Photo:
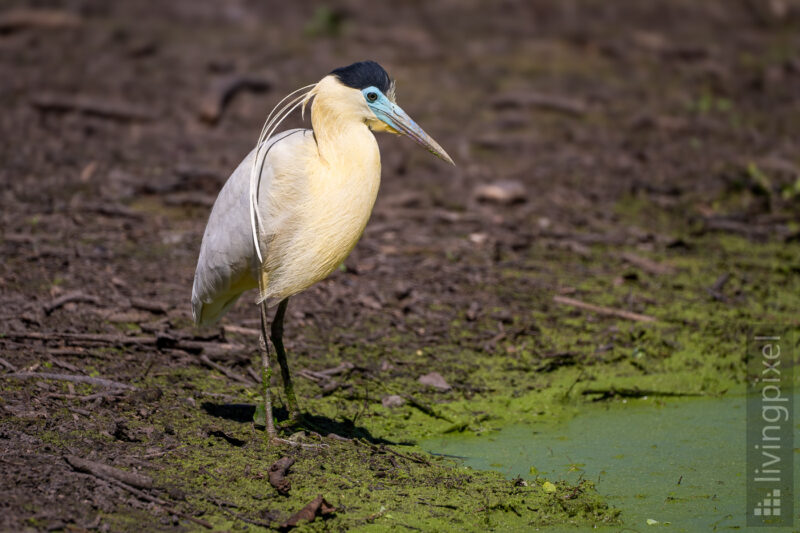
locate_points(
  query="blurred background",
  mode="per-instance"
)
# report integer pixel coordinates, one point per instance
(642, 156)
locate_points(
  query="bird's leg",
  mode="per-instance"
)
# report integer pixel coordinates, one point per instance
(266, 373)
(277, 341)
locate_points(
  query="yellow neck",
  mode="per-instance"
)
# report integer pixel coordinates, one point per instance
(344, 143)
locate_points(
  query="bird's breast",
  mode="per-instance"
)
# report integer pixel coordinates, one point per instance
(341, 209)
(327, 222)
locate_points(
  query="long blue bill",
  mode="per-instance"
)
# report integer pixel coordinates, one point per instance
(398, 120)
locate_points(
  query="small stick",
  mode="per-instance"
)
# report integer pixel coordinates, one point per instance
(635, 393)
(230, 328)
(716, 290)
(158, 501)
(87, 398)
(428, 410)
(419, 460)
(75, 296)
(253, 374)
(111, 210)
(309, 375)
(223, 91)
(17, 19)
(159, 308)
(188, 346)
(65, 365)
(621, 313)
(101, 382)
(323, 375)
(80, 352)
(231, 374)
(7, 365)
(102, 470)
(238, 516)
(343, 367)
(532, 99)
(91, 106)
(648, 265)
(81, 337)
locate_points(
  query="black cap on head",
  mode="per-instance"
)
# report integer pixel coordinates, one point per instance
(364, 74)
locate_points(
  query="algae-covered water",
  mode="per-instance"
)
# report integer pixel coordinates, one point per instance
(677, 462)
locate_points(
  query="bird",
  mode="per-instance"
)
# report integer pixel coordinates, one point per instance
(295, 207)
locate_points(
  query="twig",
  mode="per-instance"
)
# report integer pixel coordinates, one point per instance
(621, 313)
(310, 375)
(445, 506)
(102, 470)
(230, 328)
(160, 308)
(634, 393)
(217, 350)
(223, 91)
(648, 265)
(324, 375)
(231, 374)
(95, 338)
(111, 210)
(7, 365)
(141, 494)
(101, 382)
(549, 102)
(163, 452)
(295, 444)
(238, 516)
(420, 460)
(214, 349)
(253, 374)
(17, 19)
(75, 296)
(428, 410)
(87, 398)
(384, 449)
(716, 290)
(91, 106)
(342, 367)
(76, 351)
(329, 387)
(65, 365)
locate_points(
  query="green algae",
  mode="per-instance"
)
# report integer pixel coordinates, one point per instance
(687, 469)
(371, 488)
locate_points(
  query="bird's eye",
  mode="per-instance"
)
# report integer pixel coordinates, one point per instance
(372, 97)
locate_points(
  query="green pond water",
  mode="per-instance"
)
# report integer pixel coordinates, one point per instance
(680, 462)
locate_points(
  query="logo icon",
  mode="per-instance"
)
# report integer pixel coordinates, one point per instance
(770, 505)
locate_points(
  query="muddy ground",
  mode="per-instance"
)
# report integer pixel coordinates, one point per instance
(639, 156)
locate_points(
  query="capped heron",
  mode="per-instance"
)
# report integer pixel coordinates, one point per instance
(296, 206)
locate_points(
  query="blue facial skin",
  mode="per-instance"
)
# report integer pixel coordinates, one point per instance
(392, 114)
(383, 108)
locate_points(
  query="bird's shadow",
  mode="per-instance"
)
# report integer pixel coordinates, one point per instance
(243, 413)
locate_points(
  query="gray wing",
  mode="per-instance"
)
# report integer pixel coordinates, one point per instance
(227, 264)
